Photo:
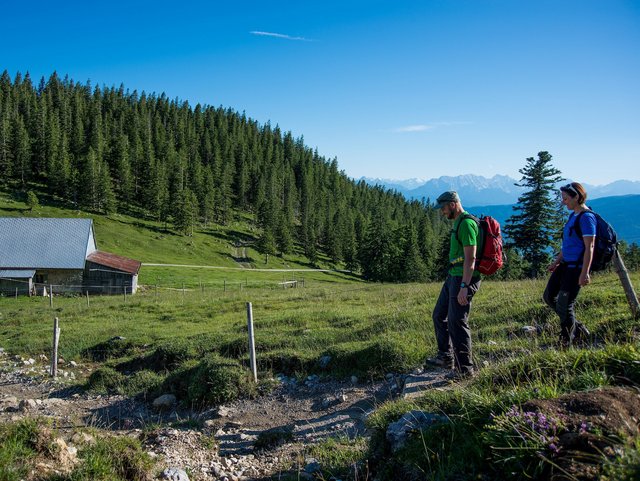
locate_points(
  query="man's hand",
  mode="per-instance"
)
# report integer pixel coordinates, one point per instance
(462, 296)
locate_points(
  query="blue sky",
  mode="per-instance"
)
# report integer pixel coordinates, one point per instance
(392, 89)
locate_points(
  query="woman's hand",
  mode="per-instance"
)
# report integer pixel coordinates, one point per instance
(584, 279)
(553, 266)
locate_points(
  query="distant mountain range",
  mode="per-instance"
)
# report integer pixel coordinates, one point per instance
(620, 211)
(479, 190)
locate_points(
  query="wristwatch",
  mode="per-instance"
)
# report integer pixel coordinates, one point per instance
(463, 285)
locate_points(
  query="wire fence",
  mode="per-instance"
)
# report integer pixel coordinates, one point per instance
(16, 287)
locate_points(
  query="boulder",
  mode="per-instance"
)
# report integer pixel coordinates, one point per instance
(166, 401)
(324, 361)
(399, 432)
(175, 474)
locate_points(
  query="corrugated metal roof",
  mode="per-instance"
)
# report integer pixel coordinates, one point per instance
(17, 273)
(45, 243)
(114, 261)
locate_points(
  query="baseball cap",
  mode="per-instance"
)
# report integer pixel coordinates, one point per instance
(446, 197)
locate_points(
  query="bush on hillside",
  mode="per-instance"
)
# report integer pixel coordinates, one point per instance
(213, 380)
(114, 348)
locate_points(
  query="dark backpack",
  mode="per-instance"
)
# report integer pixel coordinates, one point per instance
(605, 244)
(489, 256)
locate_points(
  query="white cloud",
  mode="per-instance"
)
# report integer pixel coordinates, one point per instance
(279, 35)
(413, 128)
(424, 127)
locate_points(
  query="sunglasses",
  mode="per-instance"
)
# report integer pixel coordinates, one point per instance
(570, 188)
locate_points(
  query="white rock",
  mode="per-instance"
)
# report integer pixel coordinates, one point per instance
(175, 474)
(27, 405)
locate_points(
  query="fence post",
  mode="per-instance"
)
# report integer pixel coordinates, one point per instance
(51, 296)
(54, 353)
(632, 298)
(252, 342)
(124, 288)
(87, 292)
(16, 293)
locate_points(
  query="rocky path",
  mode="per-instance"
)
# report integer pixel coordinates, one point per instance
(246, 439)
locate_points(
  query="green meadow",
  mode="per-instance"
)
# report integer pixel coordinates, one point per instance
(170, 338)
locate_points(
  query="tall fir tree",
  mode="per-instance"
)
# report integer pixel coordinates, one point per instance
(413, 267)
(185, 212)
(534, 227)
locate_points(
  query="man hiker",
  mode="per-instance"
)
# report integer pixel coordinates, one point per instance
(451, 313)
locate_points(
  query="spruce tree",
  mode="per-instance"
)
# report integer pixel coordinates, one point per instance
(533, 229)
(267, 243)
(413, 268)
(21, 152)
(185, 212)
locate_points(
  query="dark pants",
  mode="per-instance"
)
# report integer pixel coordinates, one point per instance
(560, 295)
(451, 322)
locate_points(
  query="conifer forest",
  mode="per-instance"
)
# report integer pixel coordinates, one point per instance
(108, 150)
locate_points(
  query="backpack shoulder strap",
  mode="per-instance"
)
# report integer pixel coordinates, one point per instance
(464, 217)
(576, 224)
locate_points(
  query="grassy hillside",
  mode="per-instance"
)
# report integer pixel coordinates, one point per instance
(174, 340)
(155, 243)
(179, 342)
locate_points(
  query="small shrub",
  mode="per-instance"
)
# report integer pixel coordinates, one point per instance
(106, 380)
(114, 348)
(217, 380)
(142, 382)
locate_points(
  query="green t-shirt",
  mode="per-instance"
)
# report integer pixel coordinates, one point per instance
(468, 236)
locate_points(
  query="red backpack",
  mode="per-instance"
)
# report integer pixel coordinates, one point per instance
(489, 256)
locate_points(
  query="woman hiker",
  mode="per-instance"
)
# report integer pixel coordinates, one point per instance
(570, 269)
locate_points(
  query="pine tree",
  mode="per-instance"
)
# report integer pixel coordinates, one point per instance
(267, 243)
(32, 201)
(377, 253)
(413, 267)
(21, 152)
(6, 152)
(185, 212)
(284, 239)
(106, 199)
(124, 176)
(88, 181)
(533, 229)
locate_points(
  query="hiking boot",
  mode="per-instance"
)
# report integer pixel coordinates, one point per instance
(456, 376)
(440, 360)
(581, 334)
